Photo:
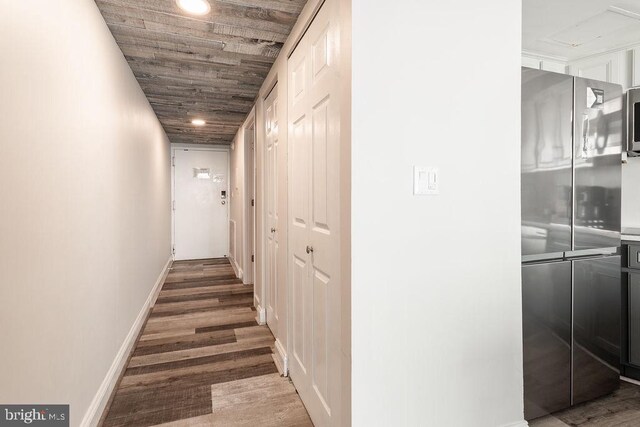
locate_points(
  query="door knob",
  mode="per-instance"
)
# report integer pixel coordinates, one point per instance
(309, 249)
(223, 202)
(273, 230)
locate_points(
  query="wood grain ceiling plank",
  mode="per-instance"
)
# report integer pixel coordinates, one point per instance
(200, 108)
(169, 61)
(205, 111)
(124, 20)
(190, 70)
(209, 67)
(280, 5)
(168, 42)
(130, 16)
(184, 129)
(212, 99)
(211, 119)
(148, 82)
(182, 115)
(187, 36)
(190, 140)
(185, 132)
(188, 113)
(225, 13)
(189, 131)
(219, 139)
(240, 74)
(182, 132)
(209, 139)
(147, 56)
(218, 103)
(195, 92)
(174, 43)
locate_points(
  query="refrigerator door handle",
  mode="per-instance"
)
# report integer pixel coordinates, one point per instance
(537, 258)
(591, 252)
(585, 134)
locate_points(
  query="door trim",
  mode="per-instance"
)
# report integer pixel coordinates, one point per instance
(249, 184)
(190, 147)
(307, 24)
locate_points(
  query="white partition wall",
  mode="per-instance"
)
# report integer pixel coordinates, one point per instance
(86, 199)
(436, 293)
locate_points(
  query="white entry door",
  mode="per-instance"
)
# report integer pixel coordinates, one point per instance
(314, 219)
(201, 225)
(271, 198)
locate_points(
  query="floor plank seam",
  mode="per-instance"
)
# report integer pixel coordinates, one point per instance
(202, 359)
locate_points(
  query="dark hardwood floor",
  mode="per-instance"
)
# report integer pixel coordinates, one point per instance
(202, 359)
(620, 409)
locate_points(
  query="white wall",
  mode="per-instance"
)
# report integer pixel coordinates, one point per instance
(436, 293)
(613, 67)
(541, 62)
(85, 212)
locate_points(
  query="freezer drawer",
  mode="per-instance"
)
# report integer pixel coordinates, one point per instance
(596, 327)
(634, 318)
(546, 311)
(633, 256)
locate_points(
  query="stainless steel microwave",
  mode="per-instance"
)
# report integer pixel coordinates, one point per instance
(633, 121)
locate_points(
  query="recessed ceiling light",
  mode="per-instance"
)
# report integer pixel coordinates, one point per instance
(195, 7)
(198, 122)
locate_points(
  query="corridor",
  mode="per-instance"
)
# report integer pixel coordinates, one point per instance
(199, 196)
(202, 359)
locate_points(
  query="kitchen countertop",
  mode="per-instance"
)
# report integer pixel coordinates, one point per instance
(631, 233)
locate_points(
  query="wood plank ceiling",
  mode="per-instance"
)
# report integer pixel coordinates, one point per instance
(209, 67)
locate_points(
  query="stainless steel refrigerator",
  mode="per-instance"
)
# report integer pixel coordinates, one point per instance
(572, 136)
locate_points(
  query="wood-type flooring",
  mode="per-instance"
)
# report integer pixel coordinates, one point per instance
(619, 409)
(203, 360)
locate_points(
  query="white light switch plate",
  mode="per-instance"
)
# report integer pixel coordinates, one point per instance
(426, 180)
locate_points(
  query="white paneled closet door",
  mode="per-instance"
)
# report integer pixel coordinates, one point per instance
(271, 199)
(314, 220)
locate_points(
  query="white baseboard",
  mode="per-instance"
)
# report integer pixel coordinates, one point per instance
(236, 267)
(261, 315)
(630, 380)
(282, 359)
(98, 404)
(153, 296)
(245, 280)
(522, 423)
